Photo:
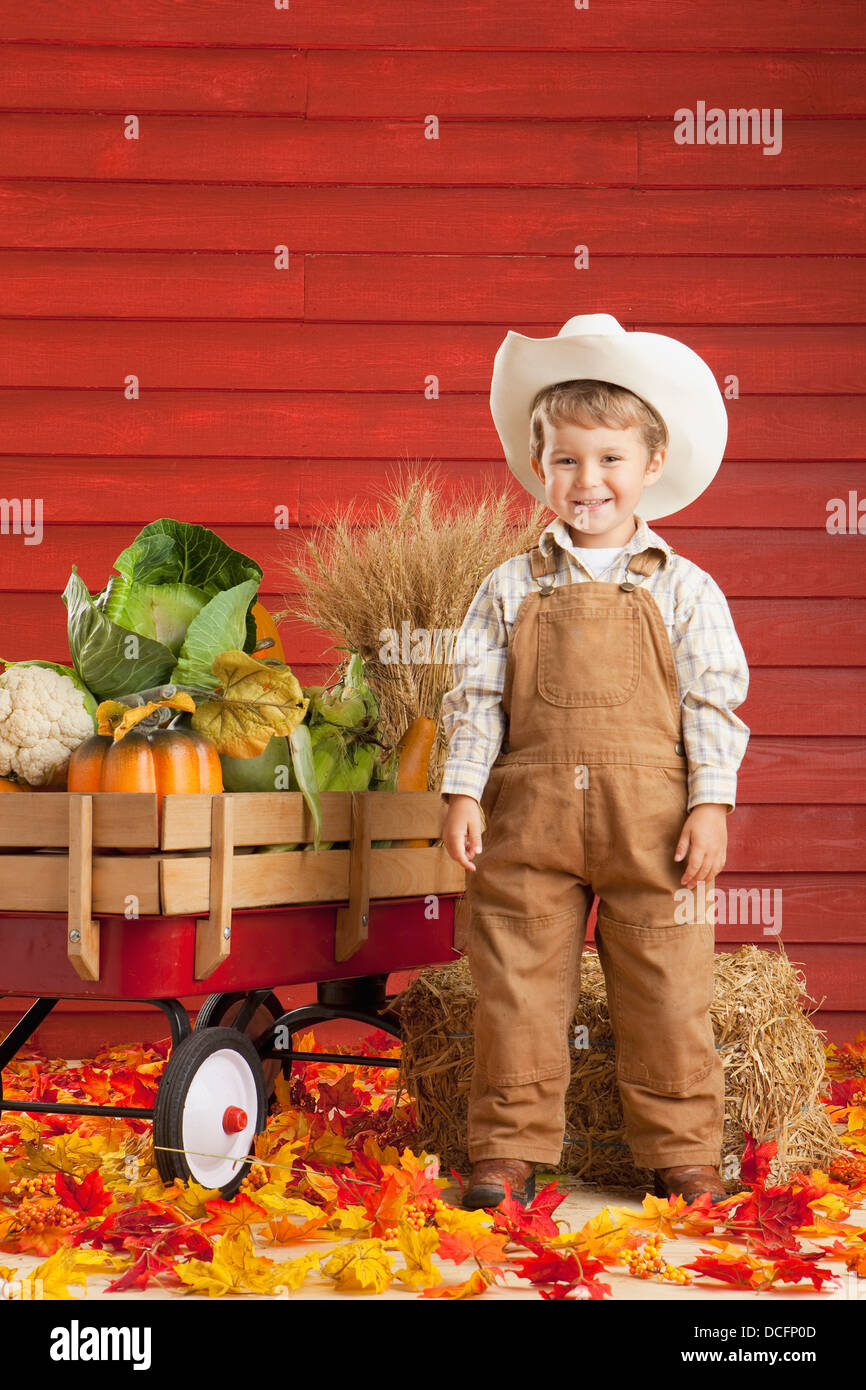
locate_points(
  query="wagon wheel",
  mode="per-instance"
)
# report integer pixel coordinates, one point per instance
(210, 1104)
(223, 1009)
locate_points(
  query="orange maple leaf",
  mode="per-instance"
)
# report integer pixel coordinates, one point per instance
(476, 1283)
(230, 1217)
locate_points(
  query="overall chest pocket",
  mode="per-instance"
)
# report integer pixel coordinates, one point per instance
(588, 655)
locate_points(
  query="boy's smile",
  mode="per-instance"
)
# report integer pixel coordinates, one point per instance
(593, 479)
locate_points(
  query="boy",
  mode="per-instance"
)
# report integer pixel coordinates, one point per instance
(594, 741)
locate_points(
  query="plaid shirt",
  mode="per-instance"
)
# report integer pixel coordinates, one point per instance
(711, 667)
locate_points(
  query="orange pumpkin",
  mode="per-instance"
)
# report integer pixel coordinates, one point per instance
(7, 786)
(160, 760)
(266, 627)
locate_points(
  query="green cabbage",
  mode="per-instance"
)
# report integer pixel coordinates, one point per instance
(179, 598)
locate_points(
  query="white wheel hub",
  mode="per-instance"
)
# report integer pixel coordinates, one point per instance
(219, 1117)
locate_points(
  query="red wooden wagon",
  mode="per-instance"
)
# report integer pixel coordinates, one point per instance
(134, 896)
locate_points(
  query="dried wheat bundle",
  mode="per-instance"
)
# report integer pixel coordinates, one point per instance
(420, 563)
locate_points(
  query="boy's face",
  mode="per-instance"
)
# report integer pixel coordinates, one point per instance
(579, 466)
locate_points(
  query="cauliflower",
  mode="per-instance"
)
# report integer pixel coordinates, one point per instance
(44, 715)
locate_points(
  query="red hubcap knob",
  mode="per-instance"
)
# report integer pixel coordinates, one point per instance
(234, 1119)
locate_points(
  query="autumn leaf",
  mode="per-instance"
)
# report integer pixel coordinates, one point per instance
(56, 1273)
(232, 1216)
(190, 1196)
(284, 1231)
(554, 1268)
(771, 1215)
(258, 701)
(87, 1197)
(235, 1268)
(474, 1285)
(755, 1162)
(732, 1265)
(417, 1248)
(488, 1247)
(791, 1268)
(290, 1274)
(661, 1214)
(534, 1219)
(600, 1236)
(115, 718)
(360, 1266)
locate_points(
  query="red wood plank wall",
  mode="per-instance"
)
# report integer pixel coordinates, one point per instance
(306, 127)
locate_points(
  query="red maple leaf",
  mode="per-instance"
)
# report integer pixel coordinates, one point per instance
(741, 1273)
(790, 1269)
(551, 1267)
(755, 1163)
(772, 1214)
(147, 1221)
(87, 1197)
(585, 1289)
(533, 1220)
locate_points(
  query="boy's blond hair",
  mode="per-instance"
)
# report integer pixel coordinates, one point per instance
(586, 402)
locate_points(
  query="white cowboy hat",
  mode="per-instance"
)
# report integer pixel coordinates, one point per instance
(665, 373)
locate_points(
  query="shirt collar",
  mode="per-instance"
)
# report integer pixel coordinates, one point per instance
(643, 539)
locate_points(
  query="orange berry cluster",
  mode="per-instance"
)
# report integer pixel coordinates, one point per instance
(416, 1214)
(256, 1177)
(648, 1261)
(38, 1215)
(33, 1187)
(849, 1169)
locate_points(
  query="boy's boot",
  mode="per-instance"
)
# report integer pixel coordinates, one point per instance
(690, 1182)
(486, 1187)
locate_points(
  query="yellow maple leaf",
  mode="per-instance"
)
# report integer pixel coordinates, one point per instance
(286, 1206)
(7, 1271)
(417, 1248)
(6, 1178)
(290, 1274)
(350, 1218)
(190, 1197)
(211, 1277)
(360, 1266)
(457, 1219)
(235, 1268)
(331, 1148)
(30, 1130)
(57, 1272)
(599, 1236)
(658, 1214)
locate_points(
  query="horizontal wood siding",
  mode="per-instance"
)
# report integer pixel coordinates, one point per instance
(297, 391)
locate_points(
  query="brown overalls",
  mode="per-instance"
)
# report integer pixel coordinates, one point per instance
(588, 796)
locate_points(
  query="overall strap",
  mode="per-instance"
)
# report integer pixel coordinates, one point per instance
(645, 563)
(541, 563)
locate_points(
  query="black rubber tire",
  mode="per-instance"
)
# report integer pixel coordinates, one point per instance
(217, 1007)
(212, 1011)
(182, 1066)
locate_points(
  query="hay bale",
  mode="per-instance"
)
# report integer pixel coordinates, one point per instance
(773, 1058)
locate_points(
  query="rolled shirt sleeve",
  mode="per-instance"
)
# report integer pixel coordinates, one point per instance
(714, 678)
(473, 718)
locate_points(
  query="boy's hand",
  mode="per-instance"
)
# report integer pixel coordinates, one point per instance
(705, 837)
(461, 829)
